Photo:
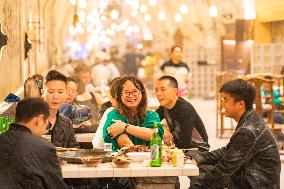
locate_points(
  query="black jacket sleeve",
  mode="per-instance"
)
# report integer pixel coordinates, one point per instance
(52, 171)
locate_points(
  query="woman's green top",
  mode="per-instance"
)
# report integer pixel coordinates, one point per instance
(150, 119)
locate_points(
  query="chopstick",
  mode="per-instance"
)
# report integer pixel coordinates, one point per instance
(194, 149)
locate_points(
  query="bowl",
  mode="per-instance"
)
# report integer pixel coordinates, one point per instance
(139, 156)
(121, 162)
(92, 161)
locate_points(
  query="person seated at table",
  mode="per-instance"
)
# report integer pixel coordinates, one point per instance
(80, 115)
(27, 159)
(98, 140)
(32, 88)
(265, 94)
(130, 123)
(60, 127)
(183, 126)
(251, 158)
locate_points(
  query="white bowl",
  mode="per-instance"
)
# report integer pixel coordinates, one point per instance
(139, 156)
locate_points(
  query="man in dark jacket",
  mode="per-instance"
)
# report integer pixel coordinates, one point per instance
(60, 127)
(26, 159)
(251, 158)
(182, 125)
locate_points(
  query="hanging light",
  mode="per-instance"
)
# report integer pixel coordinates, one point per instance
(73, 2)
(134, 4)
(178, 17)
(162, 15)
(147, 17)
(114, 14)
(81, 16)
(148, 37)
(82, 4)
(143, 8)
(136, 28)
(152, 2)
(134, 13)
(213, 11)
(183, 9)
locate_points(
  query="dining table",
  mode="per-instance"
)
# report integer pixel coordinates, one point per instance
(135, 169)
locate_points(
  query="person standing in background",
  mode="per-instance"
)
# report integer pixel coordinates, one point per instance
(178, 69)
(129, 65)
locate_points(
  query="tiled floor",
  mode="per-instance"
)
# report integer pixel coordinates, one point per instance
(207, 111)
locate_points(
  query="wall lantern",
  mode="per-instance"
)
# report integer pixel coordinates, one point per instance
(3, 40)
(27, 45)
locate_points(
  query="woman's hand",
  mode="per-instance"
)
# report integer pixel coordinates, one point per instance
(116, 128)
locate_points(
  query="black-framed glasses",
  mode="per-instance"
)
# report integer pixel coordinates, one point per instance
(127, 93)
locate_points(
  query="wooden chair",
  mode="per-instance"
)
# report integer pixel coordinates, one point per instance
(221, 78)
(258, 81)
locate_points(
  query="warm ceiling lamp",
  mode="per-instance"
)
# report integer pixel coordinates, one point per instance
(82, 4)
(183, 9)
(147, 17)
(143, 8)
(178, 17)
(152, 2)
(134, 13)
(114, 14)
(162, 15)
(213, 11)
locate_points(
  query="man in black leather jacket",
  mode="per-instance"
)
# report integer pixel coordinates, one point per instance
(251, 158)
(60, 127)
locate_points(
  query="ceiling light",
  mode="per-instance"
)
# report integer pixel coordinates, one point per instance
(162, 16)
(114, 14)
(147, 17)
(103, 18)
(213, 11)
(152, 2)
(134, 13)
(81, 15)
(113, 26)
(136, 28)
(183, 9)
(178, 17)
(148, 37)
(73, 2)
(82, 4)
(134, 4)
(143, 8)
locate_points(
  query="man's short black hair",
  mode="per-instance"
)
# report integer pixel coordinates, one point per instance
(240, 89)
(29, 108)
(172, 80)
(55, 75)
(176, 46)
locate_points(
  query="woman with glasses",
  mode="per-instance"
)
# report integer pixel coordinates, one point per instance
(130, 123)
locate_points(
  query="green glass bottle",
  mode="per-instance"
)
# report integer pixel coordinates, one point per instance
(156, 148)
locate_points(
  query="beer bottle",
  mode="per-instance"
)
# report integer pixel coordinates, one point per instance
(156, 148)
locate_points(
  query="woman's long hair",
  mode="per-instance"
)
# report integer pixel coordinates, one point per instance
(123, 110)
(33, 86)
